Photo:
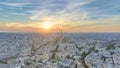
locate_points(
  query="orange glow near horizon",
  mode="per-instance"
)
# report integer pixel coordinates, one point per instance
(47, 25)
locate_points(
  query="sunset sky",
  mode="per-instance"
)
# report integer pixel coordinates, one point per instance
(53, 15)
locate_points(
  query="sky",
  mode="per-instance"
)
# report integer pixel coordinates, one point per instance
(68, 15)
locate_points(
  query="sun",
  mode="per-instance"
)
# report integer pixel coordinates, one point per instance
(46, 25)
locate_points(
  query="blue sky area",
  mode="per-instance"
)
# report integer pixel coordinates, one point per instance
(75, 13)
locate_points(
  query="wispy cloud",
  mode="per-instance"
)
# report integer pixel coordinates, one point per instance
(13, 4)
(19, 14)
(76, 3)
(65, 12)
(75, 14)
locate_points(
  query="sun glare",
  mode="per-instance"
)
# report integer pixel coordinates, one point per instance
(46, 25)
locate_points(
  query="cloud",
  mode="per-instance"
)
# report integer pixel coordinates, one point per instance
(106, 24)
(64, 12)
(14, 4)
(112, 20)
(60, 10)
(19, 14)
(71, 4)
(59, 17)
(75, 14)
